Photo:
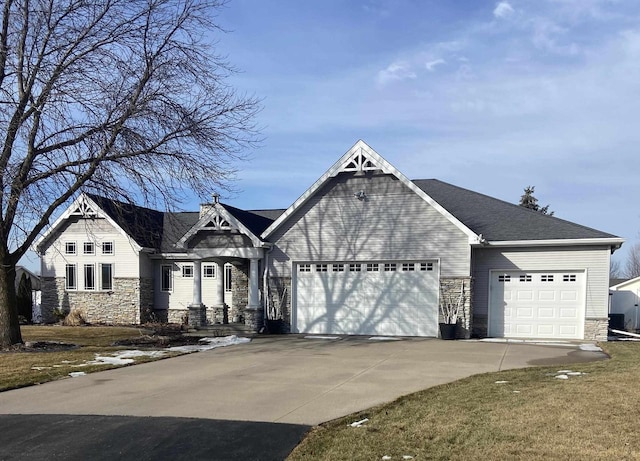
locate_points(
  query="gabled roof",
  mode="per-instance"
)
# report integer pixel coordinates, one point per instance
(361, 157)
(256, 221)
(498, 220)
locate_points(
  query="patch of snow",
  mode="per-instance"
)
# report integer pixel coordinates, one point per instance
(359, 423)
(615, 338)
(211, 343)
(40, 368)
(590, 348)
(407, 457)
(516, 392)
(575, 373)
(123, 357)
(502, 382)
(321, 337)
(384, 338)
(75, 374)
(562, 377)
(385, 457)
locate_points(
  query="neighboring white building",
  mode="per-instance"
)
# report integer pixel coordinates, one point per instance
(364, 250)
(625, 299)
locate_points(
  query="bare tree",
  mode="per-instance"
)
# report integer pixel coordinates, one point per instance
(615, 269)
(125, 98)
(632, 266)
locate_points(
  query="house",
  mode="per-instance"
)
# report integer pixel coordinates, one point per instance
(364, 250)
(625, 300)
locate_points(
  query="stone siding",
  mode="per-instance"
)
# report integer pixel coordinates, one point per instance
(450, 289)
(596, 329)
(279, 301)
(122, 306)
(239, 290)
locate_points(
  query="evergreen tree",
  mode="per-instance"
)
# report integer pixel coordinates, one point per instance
(527, 200)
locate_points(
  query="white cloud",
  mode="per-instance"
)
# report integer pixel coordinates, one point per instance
(396, 71)
(503, 10)
(431, 65)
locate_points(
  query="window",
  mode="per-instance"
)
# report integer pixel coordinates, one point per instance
(426, 266)
(525, 278)
(166, 278)
(373, 267)
(107, 248)
(321, 268)
(228, 270)
(88, 248)
(70, 248)
(354, 268)
(187, 271)
(70, 277)
(89, 277)
(389, 267)
(106, 277)
(408, 267)
(338, 268)
(209, 271)
(504, 278)
(546, 278)
(569, 278)
(304, 268)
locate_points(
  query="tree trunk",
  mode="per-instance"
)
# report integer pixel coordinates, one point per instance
(9, 324)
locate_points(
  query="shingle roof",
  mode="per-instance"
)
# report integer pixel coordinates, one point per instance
(256, 221)
(175, 226)
(144, 225)
(498, 220)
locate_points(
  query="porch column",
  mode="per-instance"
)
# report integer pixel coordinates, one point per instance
(197, 313)
(197, 282)
(254, 299)
(220, 309)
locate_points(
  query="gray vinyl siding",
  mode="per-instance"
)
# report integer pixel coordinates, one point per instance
(392, 223)
(593, 260)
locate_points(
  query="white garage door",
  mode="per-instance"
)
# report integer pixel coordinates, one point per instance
(367, 298)
(537, 304)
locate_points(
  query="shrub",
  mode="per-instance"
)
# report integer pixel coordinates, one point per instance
(75, 318)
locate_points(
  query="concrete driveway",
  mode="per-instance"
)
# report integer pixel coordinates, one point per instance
(284, 379)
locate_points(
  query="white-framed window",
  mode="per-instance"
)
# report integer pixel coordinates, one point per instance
(373, 267)
(546, 278)
(304, 268)
(106, 276)
(390, 267)
(408, 267)
(525, 278)
(209, 271)
(88, 248)
(187, 271)
(166, 277)
(70, 277)
(338, 267)
(228, 270)
(321, 268)
(107, 248)
(426, 266)
(89, 277)
(355, 267)
(70, 248)
(504, 278)
(569, 278)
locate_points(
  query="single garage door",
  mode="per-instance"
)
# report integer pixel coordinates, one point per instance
(537, 304)
(397, 298)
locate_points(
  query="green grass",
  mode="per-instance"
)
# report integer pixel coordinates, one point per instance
(533, 416)
(19, 369)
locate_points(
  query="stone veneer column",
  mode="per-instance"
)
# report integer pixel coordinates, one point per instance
(253, 313)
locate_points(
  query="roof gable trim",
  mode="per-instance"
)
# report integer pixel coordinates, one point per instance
(218, 218)
(361, 157)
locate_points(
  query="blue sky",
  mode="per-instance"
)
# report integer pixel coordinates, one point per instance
(490, 96)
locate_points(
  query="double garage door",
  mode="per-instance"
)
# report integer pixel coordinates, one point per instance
(537, 304)
(391, 298)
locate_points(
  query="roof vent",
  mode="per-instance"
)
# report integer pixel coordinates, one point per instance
(216, 197)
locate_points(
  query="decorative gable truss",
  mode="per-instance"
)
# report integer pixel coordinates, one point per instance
(86, 208)
(218, 219)
(361, 158)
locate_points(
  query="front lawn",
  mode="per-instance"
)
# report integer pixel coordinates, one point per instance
(531, 416)
(20, 368)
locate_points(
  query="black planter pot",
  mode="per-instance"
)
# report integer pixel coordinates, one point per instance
(448, 330)
(275, 326)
